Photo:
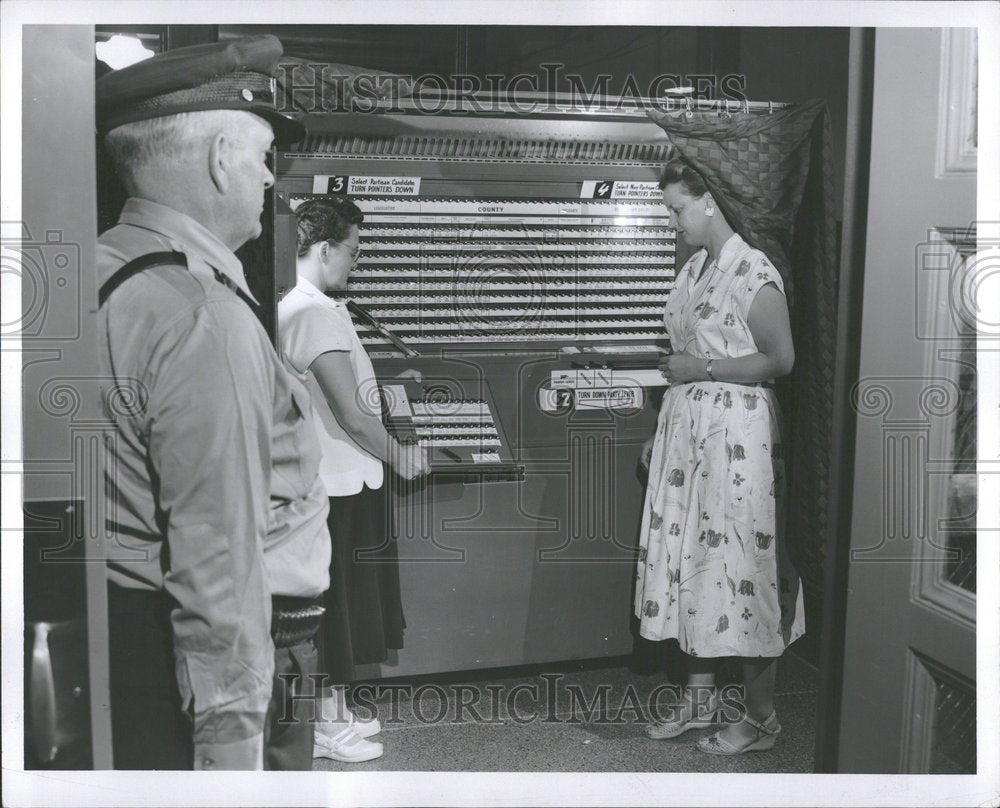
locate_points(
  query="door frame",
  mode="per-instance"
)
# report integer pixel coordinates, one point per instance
(837, 545)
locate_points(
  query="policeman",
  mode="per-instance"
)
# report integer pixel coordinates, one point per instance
(214, 505)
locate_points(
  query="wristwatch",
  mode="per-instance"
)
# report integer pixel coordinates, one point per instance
(708, 370)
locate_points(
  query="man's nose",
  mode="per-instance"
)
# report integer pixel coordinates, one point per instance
(268, 178)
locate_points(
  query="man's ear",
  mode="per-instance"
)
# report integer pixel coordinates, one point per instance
(220, 153)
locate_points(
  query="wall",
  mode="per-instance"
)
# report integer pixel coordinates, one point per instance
(59, 293)
(588, 52)
(796, 64)
(62, 421)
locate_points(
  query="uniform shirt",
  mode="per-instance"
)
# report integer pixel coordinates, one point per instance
(310, 324)
(204, 411)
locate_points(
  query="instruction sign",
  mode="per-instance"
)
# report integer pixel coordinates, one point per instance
(612, 398)
(355, 185)
(620, 189)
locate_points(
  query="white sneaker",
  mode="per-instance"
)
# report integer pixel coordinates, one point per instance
(346, 746)
(337, 713)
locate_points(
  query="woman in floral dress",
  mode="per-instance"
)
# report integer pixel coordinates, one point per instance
(713, 572)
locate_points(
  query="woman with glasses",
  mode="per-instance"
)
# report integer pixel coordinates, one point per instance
(318, 343)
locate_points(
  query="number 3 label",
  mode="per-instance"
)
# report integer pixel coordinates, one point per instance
(336, 185)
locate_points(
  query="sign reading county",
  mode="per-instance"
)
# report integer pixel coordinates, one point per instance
(620, 189)
(365, 186)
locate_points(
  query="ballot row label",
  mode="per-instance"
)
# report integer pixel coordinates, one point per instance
(605, 378)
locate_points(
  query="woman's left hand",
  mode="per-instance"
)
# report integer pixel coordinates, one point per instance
(679, 368)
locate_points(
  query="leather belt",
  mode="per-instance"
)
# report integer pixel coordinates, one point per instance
(294, 620)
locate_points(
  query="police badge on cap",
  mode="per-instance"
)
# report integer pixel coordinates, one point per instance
(237, 74)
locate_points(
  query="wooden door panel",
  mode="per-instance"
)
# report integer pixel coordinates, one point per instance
(910, 650)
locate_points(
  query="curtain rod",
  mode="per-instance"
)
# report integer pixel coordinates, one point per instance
(542, 102)
(676, 102)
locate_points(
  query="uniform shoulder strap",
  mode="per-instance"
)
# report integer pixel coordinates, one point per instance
(159, 259)
(137, 265)
(231, 285)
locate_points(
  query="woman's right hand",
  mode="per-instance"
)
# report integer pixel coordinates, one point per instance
(646, 454)
(410, 461)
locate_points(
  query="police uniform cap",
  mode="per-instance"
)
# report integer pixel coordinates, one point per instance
(235, 74)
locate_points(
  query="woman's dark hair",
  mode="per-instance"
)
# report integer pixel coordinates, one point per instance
(679, 171)
(327, 218)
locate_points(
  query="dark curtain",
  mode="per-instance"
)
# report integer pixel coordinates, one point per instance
(771, 176)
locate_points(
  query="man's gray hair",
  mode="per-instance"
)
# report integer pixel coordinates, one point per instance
(172, 138)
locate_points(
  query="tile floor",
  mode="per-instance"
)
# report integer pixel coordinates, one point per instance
(553, 718)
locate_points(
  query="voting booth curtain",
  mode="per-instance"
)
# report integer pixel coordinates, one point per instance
(771, 175)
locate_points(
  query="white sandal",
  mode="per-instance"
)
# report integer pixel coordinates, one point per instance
(764, 737)
(364, 728)
(702, 716)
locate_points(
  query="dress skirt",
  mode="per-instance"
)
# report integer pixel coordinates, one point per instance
(364, 613)
(713, 569)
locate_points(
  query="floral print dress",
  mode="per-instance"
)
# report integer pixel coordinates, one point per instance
(713, 571)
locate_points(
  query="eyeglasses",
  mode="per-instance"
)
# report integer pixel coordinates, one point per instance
(355, 253)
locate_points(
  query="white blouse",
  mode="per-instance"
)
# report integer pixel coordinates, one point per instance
(310, 324)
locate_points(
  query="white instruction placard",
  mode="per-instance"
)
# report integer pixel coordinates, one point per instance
(365, 185)
(610, 399)
(620, 189)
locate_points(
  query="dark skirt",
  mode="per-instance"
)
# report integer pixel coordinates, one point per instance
(364, 613)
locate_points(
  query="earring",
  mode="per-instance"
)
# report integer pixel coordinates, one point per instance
(709, 211)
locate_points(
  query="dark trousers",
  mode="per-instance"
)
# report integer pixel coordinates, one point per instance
(288, 733)
(149, 729)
